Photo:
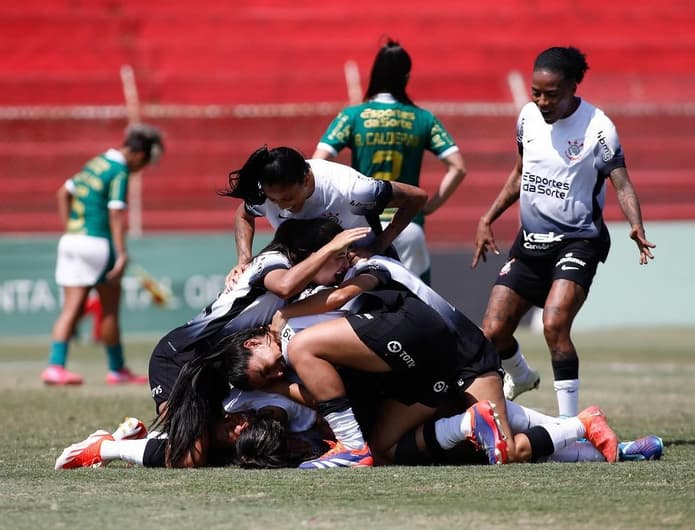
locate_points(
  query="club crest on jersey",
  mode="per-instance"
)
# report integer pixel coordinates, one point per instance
(333, 216)
(574, 149)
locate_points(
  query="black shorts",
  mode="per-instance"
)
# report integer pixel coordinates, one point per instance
(165, 364)
(532, 277)
(413, 340)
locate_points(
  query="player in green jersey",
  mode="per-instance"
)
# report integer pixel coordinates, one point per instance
(388, 136)
(92, 252)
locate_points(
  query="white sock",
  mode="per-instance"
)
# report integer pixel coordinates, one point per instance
(567, 392)
(522, 418)
(453, 430)
(516, 366)
(577, 452)
(131, 451)
(346, 429)
(565, 432)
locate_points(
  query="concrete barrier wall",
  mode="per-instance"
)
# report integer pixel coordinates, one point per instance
(193, 267)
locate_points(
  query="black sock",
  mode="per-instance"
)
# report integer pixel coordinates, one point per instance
(565, 370)
(154, 452)
(541, 442)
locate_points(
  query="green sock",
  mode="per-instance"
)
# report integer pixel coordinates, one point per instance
(58, 353)
(114, 355)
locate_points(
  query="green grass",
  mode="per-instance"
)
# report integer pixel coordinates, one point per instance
(642, 378)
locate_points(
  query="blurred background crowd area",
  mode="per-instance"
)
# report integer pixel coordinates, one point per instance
(221, 78)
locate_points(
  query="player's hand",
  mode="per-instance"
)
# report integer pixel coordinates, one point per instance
(644, 246)
(344, 239)
(233, 275)
(484, 242)
(116, 273)
(277, 324)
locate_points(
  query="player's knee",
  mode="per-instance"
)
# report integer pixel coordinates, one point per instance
(555, 327)
(299, 351)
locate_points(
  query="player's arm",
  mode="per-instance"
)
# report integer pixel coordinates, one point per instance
(323, 154)
(323, 301)
(456, 172)
(289, 282)
(484, 238)
(118, 224)
(294, 391)
(409, 200)
(244, 230)
(64, 198)
(629, 203)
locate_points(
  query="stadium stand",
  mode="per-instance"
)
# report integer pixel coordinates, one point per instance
(221, 78)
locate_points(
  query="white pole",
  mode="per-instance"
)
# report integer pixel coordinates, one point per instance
(132, 102)
(518, 89)
(353, 82)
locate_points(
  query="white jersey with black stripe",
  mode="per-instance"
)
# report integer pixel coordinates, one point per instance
(300, 418)
(245, 305)
(564, 167)
(341, 193)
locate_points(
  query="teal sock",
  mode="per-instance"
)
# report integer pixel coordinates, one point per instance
(58, 353)
(114, 354)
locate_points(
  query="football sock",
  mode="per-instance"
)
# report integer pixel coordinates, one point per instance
(516, 365)
(449, 432)
(340, 418)
(155, 450)
(522, 418)
(577, 452)
(114, 355)
(131, 451)
(567, 393)
(565, 432)
(58, 353)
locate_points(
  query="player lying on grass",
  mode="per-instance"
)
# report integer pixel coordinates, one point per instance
(280, 271)
(430, 384)
(266, 430)
(430, 349)
(490, 416)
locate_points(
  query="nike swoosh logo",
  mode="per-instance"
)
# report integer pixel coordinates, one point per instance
(568, 268)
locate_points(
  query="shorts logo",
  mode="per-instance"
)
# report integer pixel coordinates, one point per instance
(507, 267)
(574, 263)
(394, 346)
(156, 390)
(440, 386)
(540, 241)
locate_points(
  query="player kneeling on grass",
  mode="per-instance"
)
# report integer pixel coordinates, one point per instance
(431, 350)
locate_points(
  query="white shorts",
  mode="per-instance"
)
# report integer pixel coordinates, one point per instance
(82, 260)
(412, 249)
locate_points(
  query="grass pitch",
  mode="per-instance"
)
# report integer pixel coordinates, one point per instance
(641, 378)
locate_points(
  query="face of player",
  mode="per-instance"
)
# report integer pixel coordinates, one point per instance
(333, 270)
(266, 363)
(553, 94)
(289, 197)
(227, 431)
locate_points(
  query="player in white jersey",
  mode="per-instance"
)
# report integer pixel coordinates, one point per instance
(428, 351)
(567, 149)
(279, 184)
(294, 258)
